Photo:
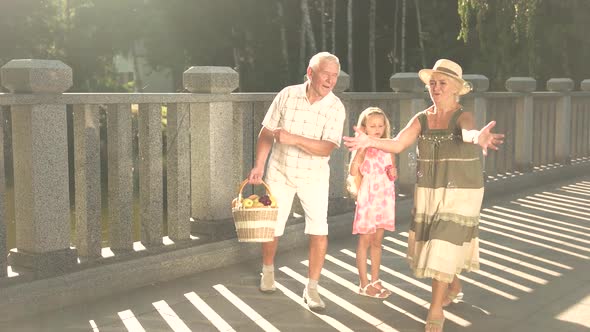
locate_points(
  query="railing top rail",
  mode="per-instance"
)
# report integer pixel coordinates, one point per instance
(183, 97)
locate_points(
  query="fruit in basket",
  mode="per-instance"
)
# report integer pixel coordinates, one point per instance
(273, 201)
(247, 203)
(258, 205)
(254, 198)
(265, 200)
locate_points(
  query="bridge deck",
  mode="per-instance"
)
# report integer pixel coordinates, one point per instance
(535, 255)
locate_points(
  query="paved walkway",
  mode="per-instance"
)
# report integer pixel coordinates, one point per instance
(535, 256)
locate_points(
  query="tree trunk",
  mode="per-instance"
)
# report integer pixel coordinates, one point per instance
(307, 26)
(237, 61)
(136, 69)
(302, 51)
(349, 23)
(420, 39)
(403, 46)
(394, 58)
(323, 23)
(372, 10)
(284, 45)
(334, 26)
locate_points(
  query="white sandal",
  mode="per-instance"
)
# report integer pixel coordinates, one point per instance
(381, 293)
(381, 288)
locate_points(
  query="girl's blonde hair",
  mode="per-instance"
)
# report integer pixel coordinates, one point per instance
(362, 121)
(353, 183)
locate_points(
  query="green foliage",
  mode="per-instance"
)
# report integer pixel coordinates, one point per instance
(537, 38)
(496, 38)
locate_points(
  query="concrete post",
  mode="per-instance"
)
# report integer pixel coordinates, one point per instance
(212, 152)
(585, 85)
(408, 82)
(151, 190)
(120, 177)
(523, 136)
(563, 118)
(40, 168)
(339, 157)
(3, 222)
(476, 102)
(178, 172)
(87, 174)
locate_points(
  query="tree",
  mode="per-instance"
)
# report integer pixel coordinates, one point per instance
(372, 69)
(350, 56)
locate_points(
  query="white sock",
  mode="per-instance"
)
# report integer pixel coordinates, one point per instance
(312, 284)
(268, 268)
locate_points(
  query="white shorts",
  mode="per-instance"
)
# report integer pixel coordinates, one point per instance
(314, 200)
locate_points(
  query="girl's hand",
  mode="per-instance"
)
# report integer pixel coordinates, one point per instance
(488, 140)
(391, 172)
(359, 141)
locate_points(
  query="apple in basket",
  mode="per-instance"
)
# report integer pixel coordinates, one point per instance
(247, 203)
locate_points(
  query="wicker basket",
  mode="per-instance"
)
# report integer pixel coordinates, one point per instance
(254, 224)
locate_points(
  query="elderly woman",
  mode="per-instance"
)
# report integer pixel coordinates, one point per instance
(443, 237)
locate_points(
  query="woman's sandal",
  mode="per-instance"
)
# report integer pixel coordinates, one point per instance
(453, 297)
(435, 325)
(380, 294)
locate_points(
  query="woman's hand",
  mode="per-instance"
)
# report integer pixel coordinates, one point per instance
(359, 141)
(488, 140)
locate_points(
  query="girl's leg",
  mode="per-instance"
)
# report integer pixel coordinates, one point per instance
(361, 258)
(376, 240)
(435, 318)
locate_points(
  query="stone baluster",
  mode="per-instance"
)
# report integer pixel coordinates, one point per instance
(476, 102)
(3, 220)
(40, 168)
(213, 180)
(585, 86)
(563, 118)
(87, 175)
(414, 103)
(339, 157)
(151, 191)
(178, 171)
(120, 177)
(523, 135)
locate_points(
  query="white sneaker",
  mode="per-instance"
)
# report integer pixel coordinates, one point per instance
(313, 300)
(267, 282)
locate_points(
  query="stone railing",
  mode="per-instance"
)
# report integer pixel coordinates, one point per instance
(91, 179)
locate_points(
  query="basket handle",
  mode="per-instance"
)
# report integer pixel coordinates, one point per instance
(245, 182)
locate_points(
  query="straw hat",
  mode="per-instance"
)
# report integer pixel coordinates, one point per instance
(448, 68)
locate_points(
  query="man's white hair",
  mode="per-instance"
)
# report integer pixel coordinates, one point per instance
(315, 60)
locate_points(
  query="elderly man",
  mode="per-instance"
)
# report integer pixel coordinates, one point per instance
(301, 127)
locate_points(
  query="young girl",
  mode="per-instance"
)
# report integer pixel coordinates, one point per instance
(372, 174)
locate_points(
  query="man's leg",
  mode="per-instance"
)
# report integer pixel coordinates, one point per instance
(318, 244)
(267, 281)
(284, 196)
(314, 200)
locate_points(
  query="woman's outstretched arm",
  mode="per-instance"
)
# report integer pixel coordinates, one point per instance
(403, 140)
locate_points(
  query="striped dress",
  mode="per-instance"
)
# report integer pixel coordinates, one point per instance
(443, 237)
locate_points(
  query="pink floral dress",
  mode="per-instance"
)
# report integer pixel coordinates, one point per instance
(375, 203)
